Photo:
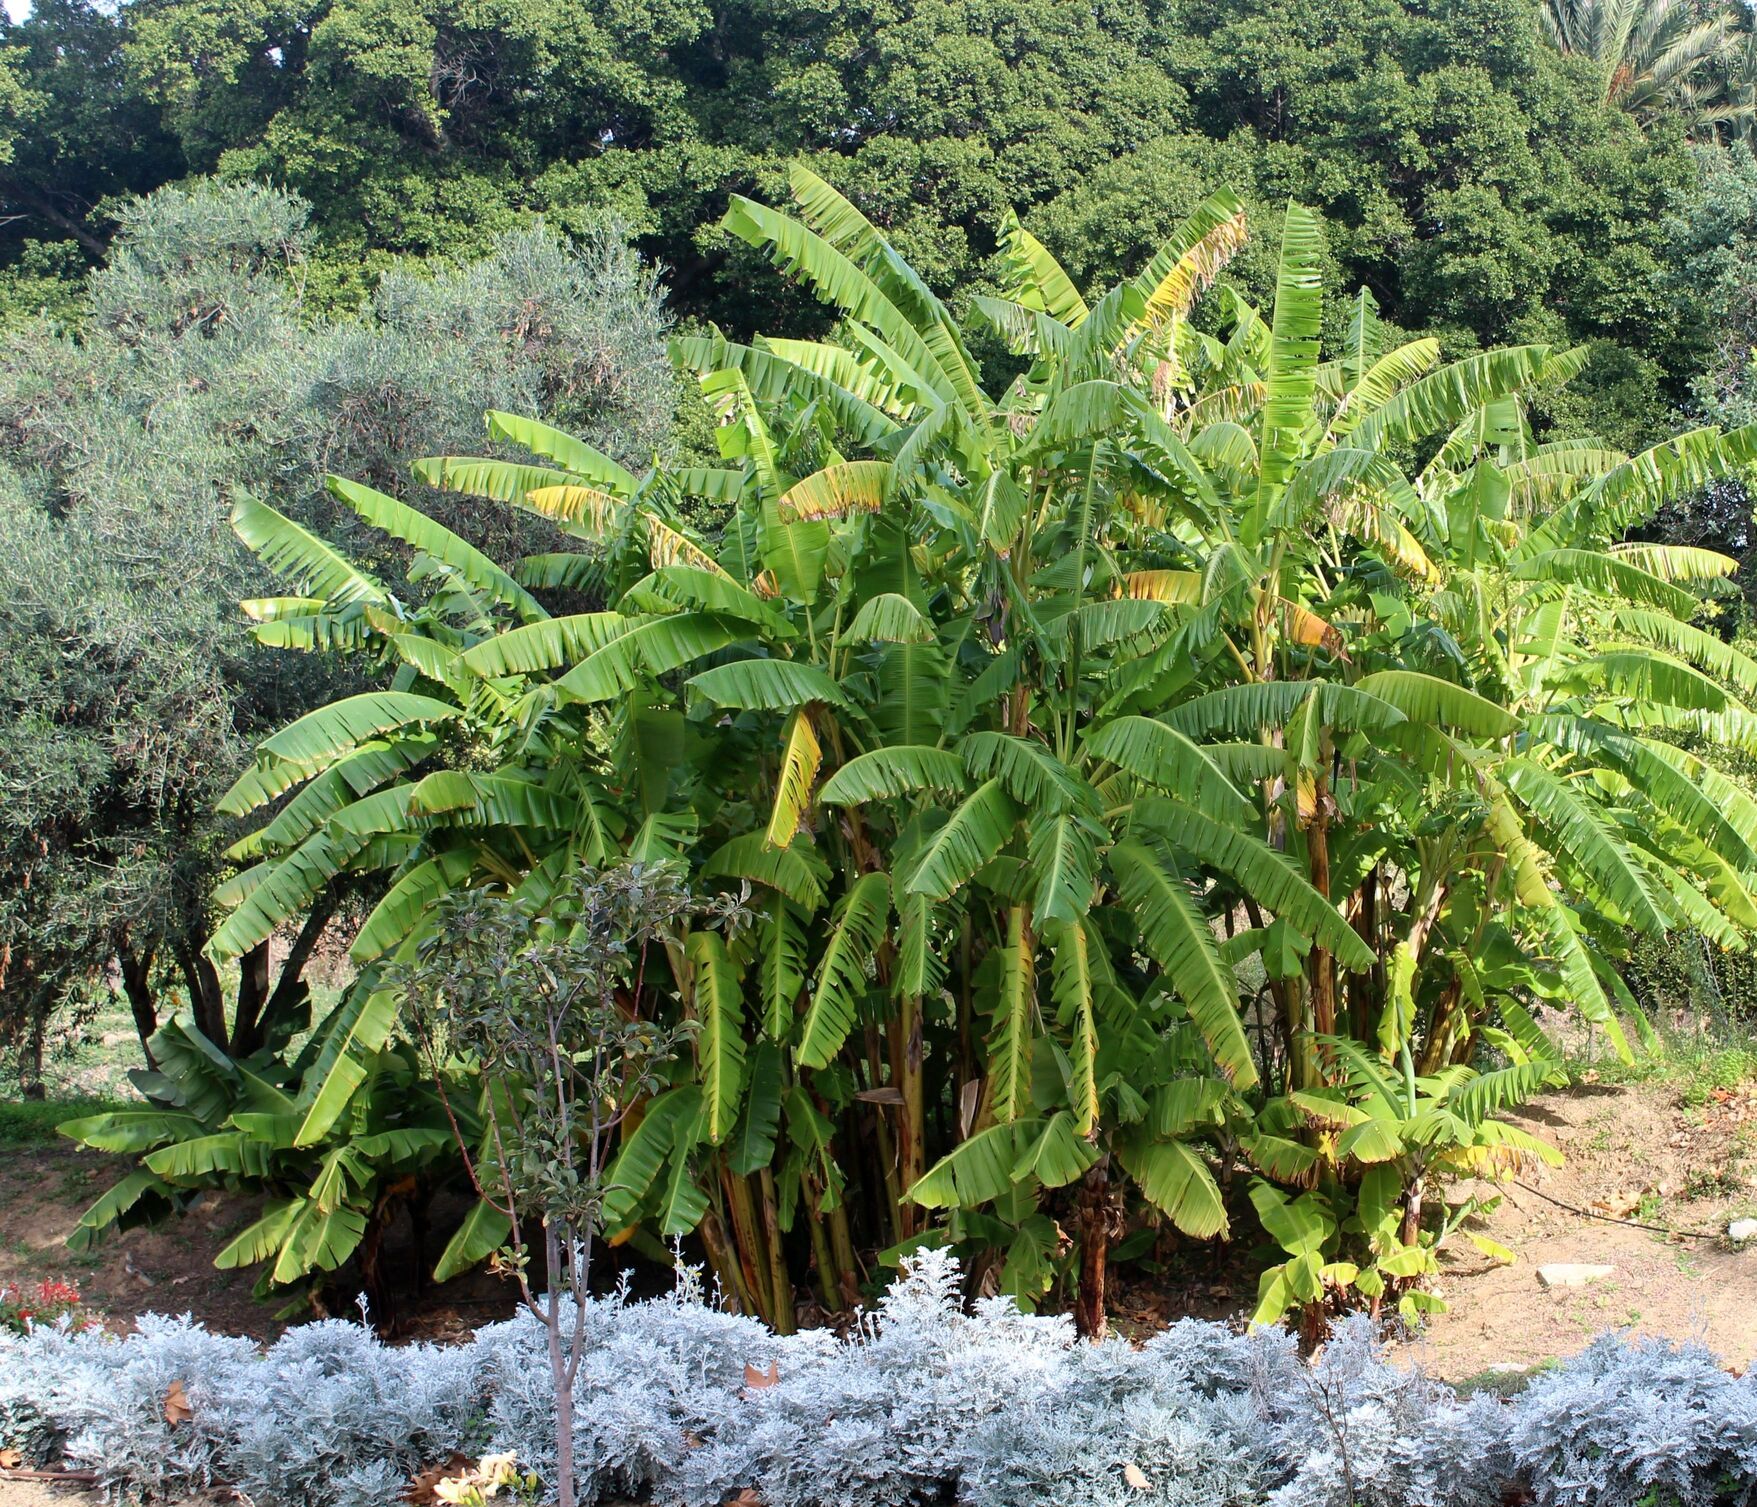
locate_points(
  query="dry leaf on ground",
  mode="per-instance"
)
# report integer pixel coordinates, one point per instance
(420, 1491)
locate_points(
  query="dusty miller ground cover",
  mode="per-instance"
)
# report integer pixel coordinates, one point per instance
(927, 1403)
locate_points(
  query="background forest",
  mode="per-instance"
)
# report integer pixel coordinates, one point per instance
(247, 245)
(1494, 174)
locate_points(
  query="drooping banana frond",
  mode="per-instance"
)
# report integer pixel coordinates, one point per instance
(1195, 254)
(890, 773)
(1010, 1044)
(980, 827)
(1033, 278)
(841, 974)
(799, 765)
(416, 529)
(1077, 1012)
(1178, 938)
(571, 454)
(836, 491)
(1293, 358)
(304, 559)
(719, 1045)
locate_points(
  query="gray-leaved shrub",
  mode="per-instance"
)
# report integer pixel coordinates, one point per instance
(1637, 1424)
(683, 1405)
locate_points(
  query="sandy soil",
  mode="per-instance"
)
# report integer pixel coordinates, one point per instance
(1637, 1153)
(169, 1269)
(44, 1190)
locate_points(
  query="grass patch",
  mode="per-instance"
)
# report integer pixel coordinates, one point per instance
(33, 1122)
(1697, 1065)
(1505, 1382)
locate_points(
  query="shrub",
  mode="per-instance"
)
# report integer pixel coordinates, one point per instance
(1636, 1423)
(683, 1405)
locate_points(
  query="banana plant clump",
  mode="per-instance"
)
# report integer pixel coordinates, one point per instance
(1169, 767)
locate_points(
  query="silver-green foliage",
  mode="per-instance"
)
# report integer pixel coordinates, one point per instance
(684, 1405)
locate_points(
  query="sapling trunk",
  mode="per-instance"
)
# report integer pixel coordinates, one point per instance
(558, 1368)
(540, 996)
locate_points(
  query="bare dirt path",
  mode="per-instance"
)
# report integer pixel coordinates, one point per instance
(1684, 1158)
(43, 1191)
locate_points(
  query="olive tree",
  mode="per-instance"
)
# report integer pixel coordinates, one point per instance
(134, 688)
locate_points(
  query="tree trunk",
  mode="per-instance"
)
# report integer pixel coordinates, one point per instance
(59, 218)
(906, 1059)
(252, 996)
(1437, 1049)
(821, 1258)
(560, 1374)
(1093, 1206)
(748, 1243)
(886, 1188)
(724, 1260)
(564, 1492)
(206, 999)
(136, 984)
(1365, 990)
(1321, 966)
(30, 1067)
(842, 1248)
(780, 1283)
(1412, 1202)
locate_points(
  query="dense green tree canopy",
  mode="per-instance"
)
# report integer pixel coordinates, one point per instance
(1469, 172)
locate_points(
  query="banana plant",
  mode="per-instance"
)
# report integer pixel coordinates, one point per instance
(1099, 748)
(1394, 1134)
(335, 1171)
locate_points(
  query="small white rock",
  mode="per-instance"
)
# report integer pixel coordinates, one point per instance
(1742, 1229)
(1571, 1274)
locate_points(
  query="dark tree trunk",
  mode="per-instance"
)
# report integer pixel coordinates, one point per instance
(46, 208)
(381, 1292)
(30, 1067)
(137, 985)
(252, 995)
(206, 999)
(290, 992)
(1093, 1208)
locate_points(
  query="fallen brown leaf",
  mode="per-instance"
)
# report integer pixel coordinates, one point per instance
(755, 1380)
(1136, 1477)
(421, 1490)
(745, 1498)
(177, 1409)
(11, 1459)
